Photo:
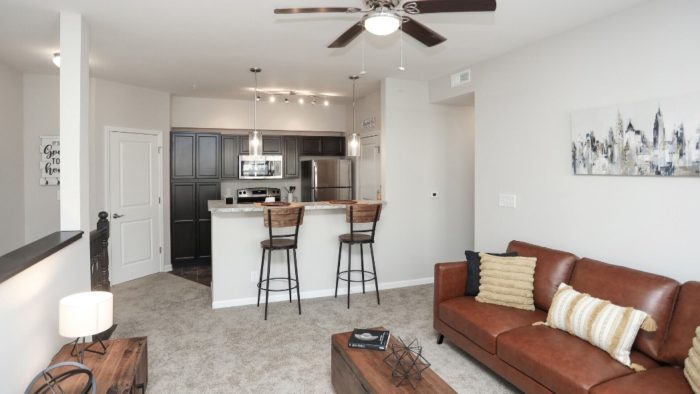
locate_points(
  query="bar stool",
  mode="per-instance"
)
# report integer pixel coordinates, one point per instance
(355, 214)
(283, 217)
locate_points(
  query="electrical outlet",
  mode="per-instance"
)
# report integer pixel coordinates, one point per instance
(434, 195)
(507, 200)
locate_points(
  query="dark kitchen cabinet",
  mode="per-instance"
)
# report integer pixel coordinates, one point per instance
(207, 156)
(272, 145)
(333, 146)
(243, 140)
(291, 157)
(323, 146)
(182, 150)
(196, 164)
(230, 147)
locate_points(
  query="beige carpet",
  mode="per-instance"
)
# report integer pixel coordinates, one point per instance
(195, 349)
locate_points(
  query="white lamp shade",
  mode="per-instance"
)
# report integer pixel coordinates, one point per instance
(85, 314)
(382, 23)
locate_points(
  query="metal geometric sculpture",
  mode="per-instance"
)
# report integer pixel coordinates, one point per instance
(406, 362)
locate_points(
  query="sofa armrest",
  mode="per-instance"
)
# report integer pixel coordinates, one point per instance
(450, 282)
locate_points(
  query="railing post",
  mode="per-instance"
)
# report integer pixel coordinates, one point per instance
(99, 255)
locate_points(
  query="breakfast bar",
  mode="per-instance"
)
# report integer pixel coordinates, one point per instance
(237, 230)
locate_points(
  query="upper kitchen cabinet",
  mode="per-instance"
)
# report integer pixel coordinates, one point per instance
(333, 146)
(245, 149)
(323, 146)
(182, 150)
(230, 147)
(272, 145)
(208, 156)
(291, 157)
(194, 156)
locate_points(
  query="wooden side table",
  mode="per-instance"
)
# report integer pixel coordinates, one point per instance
(123, 369)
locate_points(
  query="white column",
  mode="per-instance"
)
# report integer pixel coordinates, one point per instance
(74, 118)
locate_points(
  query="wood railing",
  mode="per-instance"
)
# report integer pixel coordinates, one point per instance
(99, 256)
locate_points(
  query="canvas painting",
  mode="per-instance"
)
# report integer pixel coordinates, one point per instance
(653, 138)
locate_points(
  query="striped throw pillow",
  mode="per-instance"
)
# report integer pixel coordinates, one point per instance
(692, 364)
(507, 281)
(605, 325)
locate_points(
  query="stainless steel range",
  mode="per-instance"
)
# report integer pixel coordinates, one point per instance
(257, 194)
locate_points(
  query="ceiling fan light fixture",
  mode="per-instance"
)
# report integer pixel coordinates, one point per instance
(382, 23)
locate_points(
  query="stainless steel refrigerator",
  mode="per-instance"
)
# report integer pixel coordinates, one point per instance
(326, 179)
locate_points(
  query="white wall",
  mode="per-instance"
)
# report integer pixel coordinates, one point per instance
(238, 114)
(11, 157)
(29, 313)
(41, 210)
(523, 105)
(426, 147)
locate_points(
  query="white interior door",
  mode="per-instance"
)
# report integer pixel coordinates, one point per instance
(370, 168)
(134, 178)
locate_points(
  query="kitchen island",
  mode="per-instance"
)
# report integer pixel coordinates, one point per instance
(237, 230)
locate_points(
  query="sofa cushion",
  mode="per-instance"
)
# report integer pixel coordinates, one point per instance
(657, 380)
(653, 294)
(598, 322)
(483, 323)
(562, 362)
(507, 281)
(474, 270)
(686, 317)
(553, 267)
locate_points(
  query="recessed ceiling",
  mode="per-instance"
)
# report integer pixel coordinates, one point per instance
(205, 48)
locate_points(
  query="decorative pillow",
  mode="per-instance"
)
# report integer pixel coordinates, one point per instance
(692, 364)
(605, 325)
(507, 281)
(473, 268)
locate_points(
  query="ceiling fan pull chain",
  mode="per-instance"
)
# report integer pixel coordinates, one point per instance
(363, 71)
(401, 67)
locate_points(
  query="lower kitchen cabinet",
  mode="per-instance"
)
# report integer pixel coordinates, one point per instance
(190, 220)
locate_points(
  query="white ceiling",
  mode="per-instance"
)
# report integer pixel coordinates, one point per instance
(171, 45)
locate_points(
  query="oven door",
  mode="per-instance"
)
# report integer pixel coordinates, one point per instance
(260, 167)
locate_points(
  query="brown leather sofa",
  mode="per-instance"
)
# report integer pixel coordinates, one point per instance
(539, 359)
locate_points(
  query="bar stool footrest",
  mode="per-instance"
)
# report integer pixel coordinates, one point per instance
(371, 278)
(294, 281)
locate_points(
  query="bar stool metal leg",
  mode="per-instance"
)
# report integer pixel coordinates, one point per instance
(337, 274)
(262, 264)
(296, 275)
(349, 271)
(267, 288)
(362, 265)
(374, 268)
(289, 278)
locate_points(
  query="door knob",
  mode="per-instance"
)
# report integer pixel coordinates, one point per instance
(117, 216)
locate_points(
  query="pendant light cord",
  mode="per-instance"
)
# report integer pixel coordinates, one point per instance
(255, 103)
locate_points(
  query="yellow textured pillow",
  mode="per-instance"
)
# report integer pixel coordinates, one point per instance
(605, 325)
(507, 281)
(692, 364)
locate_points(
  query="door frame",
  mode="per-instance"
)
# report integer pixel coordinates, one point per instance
(365, 136)
(161, 184)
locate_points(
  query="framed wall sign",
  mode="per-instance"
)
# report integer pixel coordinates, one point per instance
(50, 162)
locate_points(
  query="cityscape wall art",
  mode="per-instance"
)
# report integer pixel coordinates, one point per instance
(652, 138)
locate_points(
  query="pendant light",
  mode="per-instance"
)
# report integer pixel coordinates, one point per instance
(354, 142)
(255, 137)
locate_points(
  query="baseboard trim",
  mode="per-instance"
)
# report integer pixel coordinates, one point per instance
(167, 268)
(321, 293)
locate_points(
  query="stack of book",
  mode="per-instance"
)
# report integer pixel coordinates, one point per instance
(369, 339)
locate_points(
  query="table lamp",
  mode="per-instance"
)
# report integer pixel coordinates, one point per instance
(84, 314)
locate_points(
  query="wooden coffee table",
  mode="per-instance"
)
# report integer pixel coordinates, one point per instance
(364, 371)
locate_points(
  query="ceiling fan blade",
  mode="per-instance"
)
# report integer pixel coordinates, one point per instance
(316, 10)
(434, 6)
(349, 35)
(421, 32)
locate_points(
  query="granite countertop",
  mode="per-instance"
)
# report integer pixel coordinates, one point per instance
(220, 206)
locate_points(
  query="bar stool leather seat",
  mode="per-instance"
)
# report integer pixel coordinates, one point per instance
(355, 238)
(278, 243)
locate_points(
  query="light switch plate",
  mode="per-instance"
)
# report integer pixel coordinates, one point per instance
(507, 200)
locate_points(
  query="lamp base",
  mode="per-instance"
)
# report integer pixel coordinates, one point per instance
(79, 350)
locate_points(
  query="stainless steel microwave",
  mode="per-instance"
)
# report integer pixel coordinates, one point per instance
(260, 167)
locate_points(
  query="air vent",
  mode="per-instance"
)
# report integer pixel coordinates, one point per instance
(461, 78)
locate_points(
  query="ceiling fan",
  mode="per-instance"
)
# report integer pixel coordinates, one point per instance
(383, 17)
